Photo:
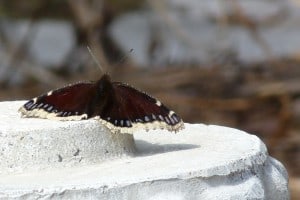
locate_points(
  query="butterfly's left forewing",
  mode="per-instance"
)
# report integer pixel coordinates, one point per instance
(133, 109)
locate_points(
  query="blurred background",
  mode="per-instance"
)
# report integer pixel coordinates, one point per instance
(234, 63)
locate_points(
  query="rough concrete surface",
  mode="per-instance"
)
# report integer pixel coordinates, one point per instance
(30, 143)
(200, 162)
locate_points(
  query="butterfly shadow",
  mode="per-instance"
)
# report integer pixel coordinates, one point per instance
(144, 148)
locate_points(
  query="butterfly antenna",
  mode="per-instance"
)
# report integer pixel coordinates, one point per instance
(95, 59)
(124, 57)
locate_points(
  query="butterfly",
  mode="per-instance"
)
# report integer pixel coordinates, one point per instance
(118, 106)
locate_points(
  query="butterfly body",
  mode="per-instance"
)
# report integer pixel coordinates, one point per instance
(118, 106)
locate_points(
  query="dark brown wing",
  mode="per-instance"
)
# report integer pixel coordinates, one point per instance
(71, 100)
(133, 108)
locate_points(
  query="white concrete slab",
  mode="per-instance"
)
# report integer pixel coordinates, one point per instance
(30, 143)
(200, 162)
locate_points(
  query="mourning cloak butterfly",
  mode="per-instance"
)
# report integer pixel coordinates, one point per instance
(118, 106)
